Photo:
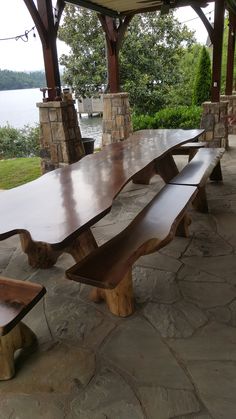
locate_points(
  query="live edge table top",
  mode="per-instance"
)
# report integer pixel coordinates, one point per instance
(62, 203)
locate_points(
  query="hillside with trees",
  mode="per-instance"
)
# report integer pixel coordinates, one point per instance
(11, 80)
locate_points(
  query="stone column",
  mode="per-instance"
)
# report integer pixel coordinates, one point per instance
(117, 124)
(231, 110)
(60, 136)
(214, 121)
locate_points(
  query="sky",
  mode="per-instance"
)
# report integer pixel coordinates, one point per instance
(17, 55)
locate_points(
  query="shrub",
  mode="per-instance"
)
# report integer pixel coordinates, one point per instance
(19, 142)
(186, 117)
(202, 84)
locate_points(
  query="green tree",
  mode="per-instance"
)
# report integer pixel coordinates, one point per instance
(21, 80)
(202, 85)
(149, 57)
(182, 92)
(85, 65)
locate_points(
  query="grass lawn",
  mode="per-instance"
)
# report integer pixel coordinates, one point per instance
(15, 172)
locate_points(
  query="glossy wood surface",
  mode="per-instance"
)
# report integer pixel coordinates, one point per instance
(61, 204)
(199, 169)
(16, 299)
(150, 230)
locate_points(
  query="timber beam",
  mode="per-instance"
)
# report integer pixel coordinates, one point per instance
(47, 23)
(230, 54)
(114, 32)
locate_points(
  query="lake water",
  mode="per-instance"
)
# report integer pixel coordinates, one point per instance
(18, 108)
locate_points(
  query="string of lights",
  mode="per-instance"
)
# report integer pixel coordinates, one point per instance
(24, 37)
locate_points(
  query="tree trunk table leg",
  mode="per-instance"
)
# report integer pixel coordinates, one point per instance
(119, 300)
(19, 337)
(200, 201)
(145, 175)
(40, 254)
(166, 168)
(80, 247)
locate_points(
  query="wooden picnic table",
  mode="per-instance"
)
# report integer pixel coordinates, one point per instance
(54, 213)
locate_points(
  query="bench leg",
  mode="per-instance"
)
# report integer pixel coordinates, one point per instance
(200, 201)
(183, 227)
(40, 255)
(216, 173)
(120, 300)
(19, 337)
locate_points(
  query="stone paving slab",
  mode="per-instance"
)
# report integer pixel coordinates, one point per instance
(175, 358)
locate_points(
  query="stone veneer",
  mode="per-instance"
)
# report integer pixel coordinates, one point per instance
(231, 110)
(215, 123)
(117, 124)
(60, 136)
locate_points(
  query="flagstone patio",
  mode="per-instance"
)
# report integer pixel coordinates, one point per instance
(174, 358)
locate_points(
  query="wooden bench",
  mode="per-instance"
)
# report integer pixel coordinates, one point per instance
(17, 298)
(110, 266)
(189, 149)
(204, 165)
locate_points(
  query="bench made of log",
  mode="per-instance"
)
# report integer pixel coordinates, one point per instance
(17, 298)
(110, 266)
(189, 149)
(205, 164)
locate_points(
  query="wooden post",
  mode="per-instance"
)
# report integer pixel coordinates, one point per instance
(47, 23)
(217, 49)
(114, 31)
(230, 54)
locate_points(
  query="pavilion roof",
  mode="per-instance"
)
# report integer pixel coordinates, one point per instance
(118, 8)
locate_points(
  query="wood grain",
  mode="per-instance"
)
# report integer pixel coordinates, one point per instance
(59, 205)
(152, 228)
(16, 300)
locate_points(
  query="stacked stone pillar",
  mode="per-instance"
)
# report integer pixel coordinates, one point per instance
(214, 121)
(60, 136)
(117, 124)
(231, 110)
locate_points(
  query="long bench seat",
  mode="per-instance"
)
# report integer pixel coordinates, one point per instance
(110, 266)
(205, 164)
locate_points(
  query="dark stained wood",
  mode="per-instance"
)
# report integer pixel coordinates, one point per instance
(189, 149)
(205, 164)
(16, 300)
(199, 169)
(40, 208)
(114, 34)
(230, 54)
(43, 17)
(217, 49)
(152, 228)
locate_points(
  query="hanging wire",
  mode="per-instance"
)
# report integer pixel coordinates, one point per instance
(197, 17)
(24, 37)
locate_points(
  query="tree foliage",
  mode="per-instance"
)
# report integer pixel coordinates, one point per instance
(202, 85)
(149, 58)
(10, 80)
(85, 65)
